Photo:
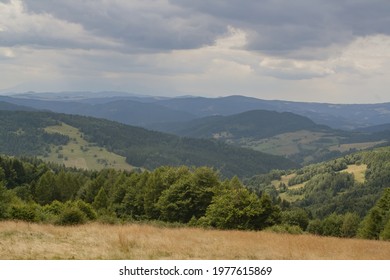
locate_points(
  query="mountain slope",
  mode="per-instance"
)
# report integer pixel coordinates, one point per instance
(285, 134)
(23, 133)
(348, 184)
(122, 110)
(342, 116)
(255, 124)
(6, 106)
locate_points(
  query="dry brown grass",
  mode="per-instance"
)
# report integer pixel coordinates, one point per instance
(20, 240)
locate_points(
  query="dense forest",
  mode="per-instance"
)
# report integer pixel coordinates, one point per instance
(23, 133)
(330, 196)
(34, 191)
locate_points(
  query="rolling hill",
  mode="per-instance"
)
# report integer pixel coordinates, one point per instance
(340, 116)
(353, 183)
(121, 109)
(257, 124)
(285, 134)
(146, 110)
(26, 133)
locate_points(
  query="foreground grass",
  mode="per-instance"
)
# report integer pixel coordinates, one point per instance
(19, 240)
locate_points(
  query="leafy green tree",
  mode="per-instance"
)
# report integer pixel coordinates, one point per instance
(371, 225)
(295, 217)
(377, 218)
(385, 234)
(159, 181)
(133, 205)
(350, 225)
(46, 190)
(237, 208)
(188, 197)
(315, 227)
(67, 184)
(101, 200)
(332, 224)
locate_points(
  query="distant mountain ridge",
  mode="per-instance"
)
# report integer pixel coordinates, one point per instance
(341, 116)
(102, 104)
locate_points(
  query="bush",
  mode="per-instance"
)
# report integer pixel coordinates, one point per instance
(87, 209)
(315, 227)
(296, 217)
(24, 212)
(55, 208)
(71, 216)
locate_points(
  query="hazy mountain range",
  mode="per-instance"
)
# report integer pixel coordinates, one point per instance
(148, 110)
(302, 132)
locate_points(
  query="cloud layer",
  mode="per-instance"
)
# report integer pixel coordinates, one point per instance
(328, 51)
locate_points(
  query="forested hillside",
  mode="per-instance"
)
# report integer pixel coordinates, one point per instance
(285, 134)
(332, 193)
(255, 124)
(23, 133)
(33, 191)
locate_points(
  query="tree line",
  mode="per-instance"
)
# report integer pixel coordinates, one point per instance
(34, 191)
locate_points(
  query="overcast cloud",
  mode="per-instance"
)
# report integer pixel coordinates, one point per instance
(307, 50)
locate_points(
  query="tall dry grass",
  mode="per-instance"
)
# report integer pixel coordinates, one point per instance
(19, 240)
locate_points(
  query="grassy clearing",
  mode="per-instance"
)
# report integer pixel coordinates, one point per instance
(291, 143)
(81, 154)
(19, 240)
(359, 172)
(355, 146)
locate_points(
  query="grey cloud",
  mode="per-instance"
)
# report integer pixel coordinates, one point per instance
(276, 27)
(154, 25)
(283, 27)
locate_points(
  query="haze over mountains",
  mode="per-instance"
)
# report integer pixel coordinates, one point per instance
(148, 110)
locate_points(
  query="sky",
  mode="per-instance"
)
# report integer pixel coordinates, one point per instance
(334, 51)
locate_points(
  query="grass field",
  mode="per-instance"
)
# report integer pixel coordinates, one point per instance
(19, 240)
(359, 171)
(81, 154)
(291, 143)
(355, 146)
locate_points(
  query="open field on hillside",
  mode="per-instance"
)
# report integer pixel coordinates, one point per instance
(292, 142)
(359, 171)
(355, 146)
(19, 240)
(81, 154)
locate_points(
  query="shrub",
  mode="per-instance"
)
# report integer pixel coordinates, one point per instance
(296, 217)
(315, 227)
(87, 209)
(24, 212)
(55, 208)
(71, 216)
